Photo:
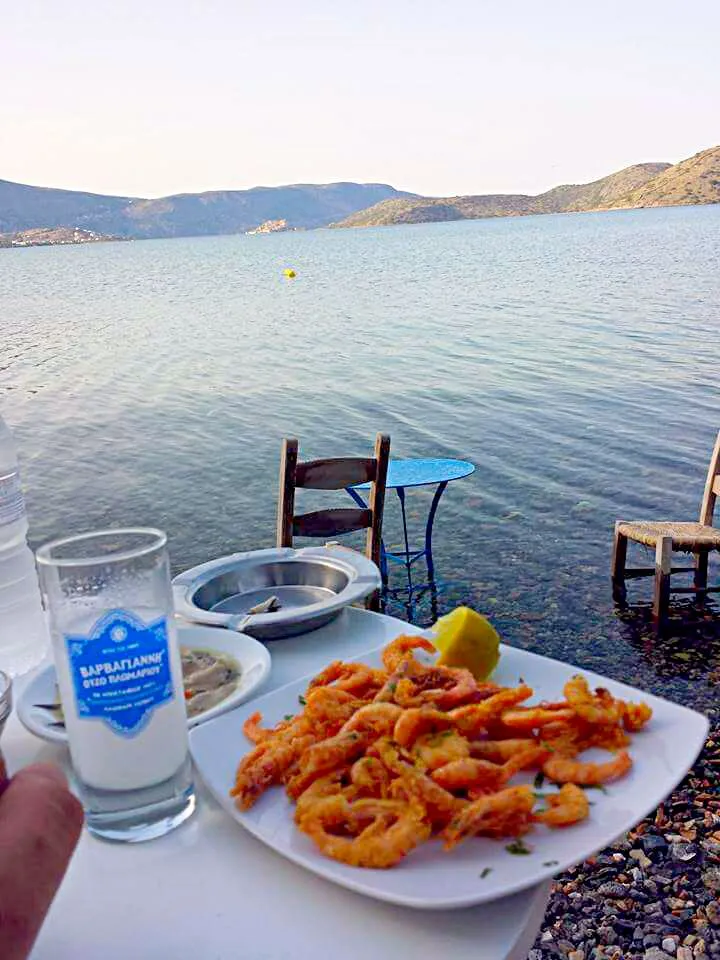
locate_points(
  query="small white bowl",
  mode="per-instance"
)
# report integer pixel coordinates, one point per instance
(252, 657)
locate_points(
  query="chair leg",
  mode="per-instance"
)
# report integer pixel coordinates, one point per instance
(663, 564)
(373, 602)
(701, 573)
(617, 567)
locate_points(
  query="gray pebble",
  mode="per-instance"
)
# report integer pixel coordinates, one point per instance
(683, 851)
(535, 955)
(612, 890)
(669, 945)
(655, 953)
(712, 909)
(651, 844)
(606, 935)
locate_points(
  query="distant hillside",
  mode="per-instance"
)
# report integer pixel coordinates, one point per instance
(429, 209)
(191, 214)
(25, 208)
(53, 237)
(695, 180)
(569, 198)
(600, 193)
(304, 206)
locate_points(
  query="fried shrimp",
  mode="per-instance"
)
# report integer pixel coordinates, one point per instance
(635, 716)
(441, 687)
(532, 718)
(472, 717)
(375, 719)
(599, 707)
(498, 751)
(370, 777)
(468, 773)
(411, 782)
(566, 770)
(506, 813)
(379, 836)
(434, 750)
(402, 648)
(324, 757)
(378, 760)
(569, 805)
(264, 766)
(257, 734)
(417, 721)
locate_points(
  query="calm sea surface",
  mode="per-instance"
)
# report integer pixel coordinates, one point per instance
(574, 359)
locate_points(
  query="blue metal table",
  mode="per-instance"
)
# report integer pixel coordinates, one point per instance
(416, 473)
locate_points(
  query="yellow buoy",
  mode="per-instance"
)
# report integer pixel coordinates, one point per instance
(289, 273)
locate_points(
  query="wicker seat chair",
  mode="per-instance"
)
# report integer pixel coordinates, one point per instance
(664, 536)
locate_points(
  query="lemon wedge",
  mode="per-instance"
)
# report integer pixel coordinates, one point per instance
(467, 639)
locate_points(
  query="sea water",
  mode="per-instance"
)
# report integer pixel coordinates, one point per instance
(572, 358)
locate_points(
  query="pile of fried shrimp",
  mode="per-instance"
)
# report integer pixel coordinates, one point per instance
(380, 760)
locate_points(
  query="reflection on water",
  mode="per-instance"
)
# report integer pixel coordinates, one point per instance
(573, 358)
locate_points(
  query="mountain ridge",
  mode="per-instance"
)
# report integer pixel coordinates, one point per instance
(694, 180)
(24, 207)
(567, 198)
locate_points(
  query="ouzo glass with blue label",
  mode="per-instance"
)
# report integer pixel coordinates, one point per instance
(109, 601)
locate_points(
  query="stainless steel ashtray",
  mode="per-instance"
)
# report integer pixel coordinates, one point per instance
(311, 587)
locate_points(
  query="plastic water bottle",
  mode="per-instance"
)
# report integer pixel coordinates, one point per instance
(24, 636)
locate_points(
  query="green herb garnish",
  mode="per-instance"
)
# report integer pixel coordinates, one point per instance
(302, 701)
(518, 848)
(393, 686)
(486, 872)
(289, 716)
(551, 863)
(539, 779)
(595, 786)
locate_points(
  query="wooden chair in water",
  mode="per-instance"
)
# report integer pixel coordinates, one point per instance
(665, 536)
(334, 474)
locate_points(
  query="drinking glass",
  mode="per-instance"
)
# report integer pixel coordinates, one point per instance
(119, 672)
(5, 708)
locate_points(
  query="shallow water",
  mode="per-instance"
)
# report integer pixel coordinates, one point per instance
(573, 358)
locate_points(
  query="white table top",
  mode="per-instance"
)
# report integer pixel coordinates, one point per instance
(210, 891)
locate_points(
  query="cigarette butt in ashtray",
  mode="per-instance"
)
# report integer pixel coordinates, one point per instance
(266, 606)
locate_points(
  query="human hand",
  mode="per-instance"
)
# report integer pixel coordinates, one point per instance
(40, 823)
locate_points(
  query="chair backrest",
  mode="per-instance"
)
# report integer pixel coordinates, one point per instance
(333, 474)
(712, 486)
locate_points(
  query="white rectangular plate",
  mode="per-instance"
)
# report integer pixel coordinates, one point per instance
(429, 878)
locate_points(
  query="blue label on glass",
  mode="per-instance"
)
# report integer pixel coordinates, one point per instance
(121, 671)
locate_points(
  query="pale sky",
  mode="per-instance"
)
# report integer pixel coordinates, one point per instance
(152, 97)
